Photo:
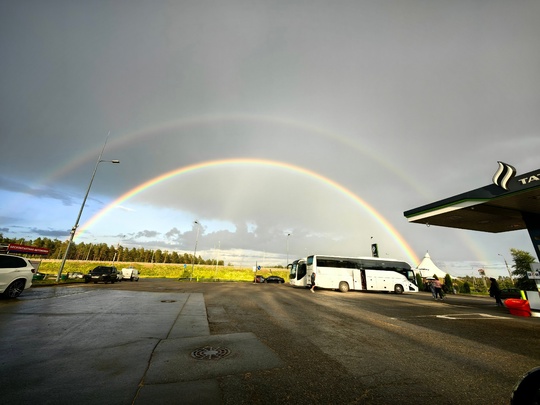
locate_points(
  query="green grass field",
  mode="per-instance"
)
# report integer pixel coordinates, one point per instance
(163, 270)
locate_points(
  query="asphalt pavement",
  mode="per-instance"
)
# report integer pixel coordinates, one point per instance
(165, 342)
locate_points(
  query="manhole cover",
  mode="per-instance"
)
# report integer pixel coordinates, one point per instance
(210, 353)
(168, 300)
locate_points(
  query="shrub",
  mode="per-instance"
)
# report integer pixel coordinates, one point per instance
(465, 288)
(420, 282)
(448, 285)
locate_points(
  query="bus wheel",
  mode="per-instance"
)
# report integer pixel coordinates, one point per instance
(398, 289)
(343, 286)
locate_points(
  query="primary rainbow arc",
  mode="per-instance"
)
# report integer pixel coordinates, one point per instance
(260, 162)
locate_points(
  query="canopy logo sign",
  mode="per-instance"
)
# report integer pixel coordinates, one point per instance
(503, 175)
(529, 179)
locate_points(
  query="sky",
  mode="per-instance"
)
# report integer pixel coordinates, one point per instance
(283, 128)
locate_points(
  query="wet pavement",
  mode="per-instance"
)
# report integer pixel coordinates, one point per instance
(79, 345)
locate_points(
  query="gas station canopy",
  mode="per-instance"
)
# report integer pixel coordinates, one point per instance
(510, 203)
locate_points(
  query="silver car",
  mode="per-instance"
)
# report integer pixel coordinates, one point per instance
(15, 275)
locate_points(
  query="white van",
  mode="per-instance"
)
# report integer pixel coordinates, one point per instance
(130, 274)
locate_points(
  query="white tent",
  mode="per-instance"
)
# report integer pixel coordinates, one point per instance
(427, 268)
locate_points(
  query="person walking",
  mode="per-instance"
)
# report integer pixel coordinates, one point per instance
(495, 291)
(438, 288)
(313, 276)
(432, 288)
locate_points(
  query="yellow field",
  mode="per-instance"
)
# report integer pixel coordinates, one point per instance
(167, 270)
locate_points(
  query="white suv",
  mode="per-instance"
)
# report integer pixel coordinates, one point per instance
(15, 275)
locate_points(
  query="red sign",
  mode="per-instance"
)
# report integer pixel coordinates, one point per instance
(13, 248)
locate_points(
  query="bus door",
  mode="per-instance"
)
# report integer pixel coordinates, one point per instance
(372, 281)
(357, 279)
(363, 280)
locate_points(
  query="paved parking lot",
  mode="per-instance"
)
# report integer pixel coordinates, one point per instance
(163, 341)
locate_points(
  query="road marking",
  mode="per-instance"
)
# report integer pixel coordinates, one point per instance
(470, 316)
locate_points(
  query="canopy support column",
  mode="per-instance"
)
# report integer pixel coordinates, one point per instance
(533, 227)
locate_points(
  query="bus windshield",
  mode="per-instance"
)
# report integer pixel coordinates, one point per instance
(297, 272)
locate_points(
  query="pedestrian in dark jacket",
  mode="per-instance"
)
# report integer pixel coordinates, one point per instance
(313, 276)
(495, 291)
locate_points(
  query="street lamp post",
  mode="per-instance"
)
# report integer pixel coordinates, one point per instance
(117, 253)
(507, 269)
(89, 250)
(195, 251)
(74, 229)
(286, 264)
(217, 260)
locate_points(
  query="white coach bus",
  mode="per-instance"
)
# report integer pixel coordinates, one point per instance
(297, 273)
(361, 273)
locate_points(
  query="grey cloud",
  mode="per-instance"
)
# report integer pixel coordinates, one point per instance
(146, 234)
(174, 232)
(41, 192)
(51, 233)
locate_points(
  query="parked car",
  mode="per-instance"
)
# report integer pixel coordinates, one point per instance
(510, 293)
(105, 274)
(130, 274)
(75, 274)
(16, 275)
(274, 279)
(258, 279)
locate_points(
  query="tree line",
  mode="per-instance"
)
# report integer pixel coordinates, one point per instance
(522, 264)
(108, 253)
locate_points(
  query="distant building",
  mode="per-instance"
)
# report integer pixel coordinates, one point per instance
(427, 268)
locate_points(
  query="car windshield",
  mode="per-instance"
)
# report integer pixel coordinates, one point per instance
(101, 270)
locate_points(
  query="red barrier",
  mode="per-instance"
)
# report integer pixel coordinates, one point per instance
(518, 307)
